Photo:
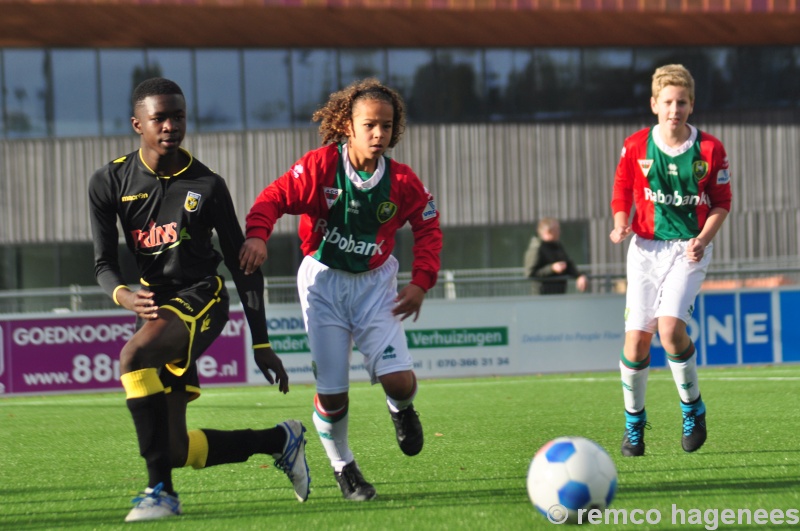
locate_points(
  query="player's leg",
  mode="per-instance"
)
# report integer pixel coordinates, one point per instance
(640, 324)
(634, 367)
(152, 346)
(320, 290)
(202, 448)
(681, 287)
(401, 388)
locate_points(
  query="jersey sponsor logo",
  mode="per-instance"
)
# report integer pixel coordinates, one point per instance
(135, 197)
(297, 171)
(348, 244)
(676, 199)
(331, 195)
(430, 211)
(645, 165)
(700, 169)
(192, 201)
(155, 235)
(386, 211)
(723, 176)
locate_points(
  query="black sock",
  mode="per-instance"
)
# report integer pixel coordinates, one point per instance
(151, 420)
(237, 446)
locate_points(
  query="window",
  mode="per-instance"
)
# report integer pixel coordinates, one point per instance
(75, 97)
(120, 72)
(267, 92)
(219, 90)
(28, 93)
(314, 78)
(359, 64)
(404, 66)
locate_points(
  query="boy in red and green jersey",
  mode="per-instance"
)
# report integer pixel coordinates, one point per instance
(679, 181)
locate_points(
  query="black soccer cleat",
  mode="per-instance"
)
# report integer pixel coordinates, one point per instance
(353, 485)
(694, 431)
(633, 439)
(408, 429)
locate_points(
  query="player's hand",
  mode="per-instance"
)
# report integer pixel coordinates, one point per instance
(269, 363)
(581, 283)
(620, 233)
(409, 301)
(252, 254)
(695, 249)
(559, 267)
(140, 302)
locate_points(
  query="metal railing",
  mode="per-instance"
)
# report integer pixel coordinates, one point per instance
(453, 284)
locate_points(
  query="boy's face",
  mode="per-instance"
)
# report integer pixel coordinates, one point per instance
(161, 121)
(673, 107)
(370, 131)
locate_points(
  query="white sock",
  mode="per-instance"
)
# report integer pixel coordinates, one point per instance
(685, 375)
(634, 386)
(332, 431)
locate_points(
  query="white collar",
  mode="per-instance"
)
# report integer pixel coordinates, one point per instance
(355, 178)
(674, 151)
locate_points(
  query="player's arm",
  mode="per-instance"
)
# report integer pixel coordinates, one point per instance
(695, 249)
(289, 194)
(249, 287)
(622, 195)
(424, 221)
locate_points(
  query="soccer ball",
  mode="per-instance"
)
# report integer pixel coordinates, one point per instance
(569, 474)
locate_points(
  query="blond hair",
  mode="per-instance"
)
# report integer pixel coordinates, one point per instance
(672, 75)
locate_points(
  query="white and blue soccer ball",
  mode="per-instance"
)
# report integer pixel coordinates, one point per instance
(571, 474)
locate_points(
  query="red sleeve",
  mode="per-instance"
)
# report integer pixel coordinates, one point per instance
(719, 187)
(622, 198)
(424, 220)
(295, 192)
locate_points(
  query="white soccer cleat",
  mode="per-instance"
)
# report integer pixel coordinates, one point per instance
(293, 459)
(153, 504)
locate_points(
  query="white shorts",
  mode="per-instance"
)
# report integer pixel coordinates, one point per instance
(662, 282)
(340, 309)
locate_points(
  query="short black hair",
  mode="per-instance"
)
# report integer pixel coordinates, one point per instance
(155, 86)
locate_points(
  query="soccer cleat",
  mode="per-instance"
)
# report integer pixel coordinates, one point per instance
(293, 459)
(153, 504)
(353, 485)
(694, 430)
(408, 429)
(633, 439)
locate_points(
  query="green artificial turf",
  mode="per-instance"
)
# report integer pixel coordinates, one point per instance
(71, 461)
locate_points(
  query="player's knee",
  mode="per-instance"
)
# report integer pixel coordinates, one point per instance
(398, 385)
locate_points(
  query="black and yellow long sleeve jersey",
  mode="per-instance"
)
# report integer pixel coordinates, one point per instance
(168, 224)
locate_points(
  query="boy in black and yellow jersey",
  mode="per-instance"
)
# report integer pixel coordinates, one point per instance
(168, 204)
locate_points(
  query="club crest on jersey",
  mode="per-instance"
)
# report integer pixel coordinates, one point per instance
(331, 195)
(192, 201)
(386, 211)
(645, 165)
(700, 169)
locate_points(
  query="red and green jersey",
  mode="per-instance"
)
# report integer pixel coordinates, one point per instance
(673, 189)
(349, 223)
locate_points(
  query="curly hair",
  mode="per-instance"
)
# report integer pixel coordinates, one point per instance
(337, 113)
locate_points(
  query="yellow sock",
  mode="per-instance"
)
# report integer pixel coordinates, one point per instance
(198, 449)
(141, 383)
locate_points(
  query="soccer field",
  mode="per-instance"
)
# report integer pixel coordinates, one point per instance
(71, 461)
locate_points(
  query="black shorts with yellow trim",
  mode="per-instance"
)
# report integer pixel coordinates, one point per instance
(203, 308)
